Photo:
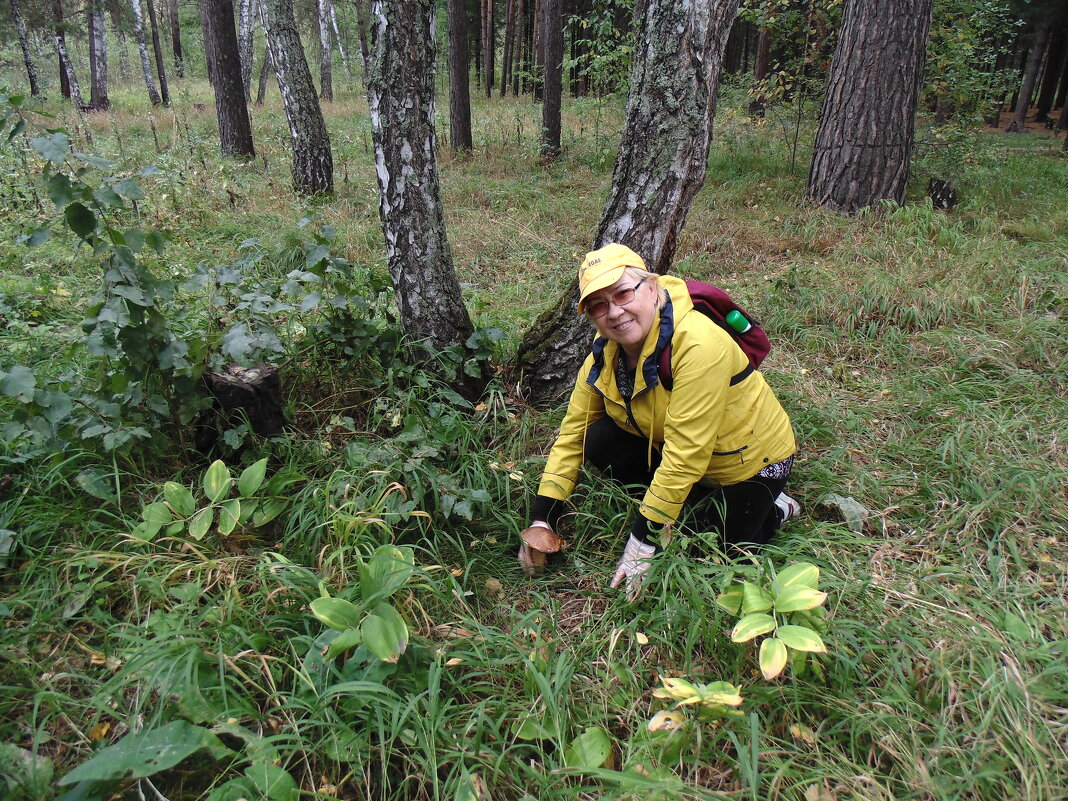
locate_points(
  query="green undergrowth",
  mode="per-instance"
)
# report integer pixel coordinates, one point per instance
(921, 355)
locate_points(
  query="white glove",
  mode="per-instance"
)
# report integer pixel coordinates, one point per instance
(637, 557)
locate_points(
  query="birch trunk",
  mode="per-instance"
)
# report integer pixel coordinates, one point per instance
(326, 71)
(244, 43)
(24, 42)
(98, 57)
(142, 50)
(313, 165)
(161, 71)
(659, 169)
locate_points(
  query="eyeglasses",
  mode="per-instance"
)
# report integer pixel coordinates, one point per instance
(621, 297)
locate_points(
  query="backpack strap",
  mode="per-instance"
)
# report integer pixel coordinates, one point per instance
(668, 381)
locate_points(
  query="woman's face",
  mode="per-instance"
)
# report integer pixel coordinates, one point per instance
(626, 324)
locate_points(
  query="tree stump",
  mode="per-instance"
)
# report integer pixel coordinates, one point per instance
(252, 394)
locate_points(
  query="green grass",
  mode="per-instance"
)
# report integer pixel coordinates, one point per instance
(921, 355)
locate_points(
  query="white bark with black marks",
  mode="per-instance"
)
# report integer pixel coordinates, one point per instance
(400, 93)
(326, 55)
(98, 57)
(659, 169)
(142, 51)
(246, 28)
(24, 42)
(313, 163)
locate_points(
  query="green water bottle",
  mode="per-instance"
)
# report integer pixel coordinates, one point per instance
(737, 321)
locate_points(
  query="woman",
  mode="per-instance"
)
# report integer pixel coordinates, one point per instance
(718, 440)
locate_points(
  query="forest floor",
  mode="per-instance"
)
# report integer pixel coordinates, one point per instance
(337, 613)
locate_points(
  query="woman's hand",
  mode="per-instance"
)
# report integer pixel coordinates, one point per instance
(637, 557)
(538, 542)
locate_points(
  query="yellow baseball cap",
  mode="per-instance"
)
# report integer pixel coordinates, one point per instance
(602, 268)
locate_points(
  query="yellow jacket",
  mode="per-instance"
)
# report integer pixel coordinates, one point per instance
(706, 429)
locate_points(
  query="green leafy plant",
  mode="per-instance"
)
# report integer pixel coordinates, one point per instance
(789, 608)
(370, 621)
(220, 508)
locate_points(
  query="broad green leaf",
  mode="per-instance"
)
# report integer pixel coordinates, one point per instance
(754, 598)
(772, 657)
(251, 478)
(106, 196)
(129, 189)
(97, 483)
(268, 511)
(229, 516)
(156, 516)
(247, 508)
(801, 639)
(470, 788)
(200, 523)
(19, 383)
(752, 626)
(60, 189)
(731, 600)
(721, 692)
(146, 753)
(591, 749)
(795, 598)
(800, 574)
(54, 148)
(217, 481)
(381, 639)
(337, 613)
(272, 782)
(385, 572)
(80, 219)
(396, 623)
(676, 689)
(349, 638)
(532, 728)
(180, 498)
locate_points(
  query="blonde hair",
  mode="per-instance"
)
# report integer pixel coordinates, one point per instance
(638, 274)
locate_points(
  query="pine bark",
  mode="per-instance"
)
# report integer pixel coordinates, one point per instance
(488, 35)
(24, 43)
(1018, 122)
(659, 169)
(867, 122)
(313, 163)
(459, 79)
(552, 93)
(161, 71)
(176, 40)
(400, 93)
(224, 68)
(1055, 61)
(142, 51)
(326, 61)
(98, 57)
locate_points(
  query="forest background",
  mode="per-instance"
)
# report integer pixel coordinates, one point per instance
(192, 609)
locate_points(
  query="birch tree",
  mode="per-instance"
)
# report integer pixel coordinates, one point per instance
(659, 168)
(313, 165)
(24, 43)
(98, 57)
(142, 51)
(326, 72)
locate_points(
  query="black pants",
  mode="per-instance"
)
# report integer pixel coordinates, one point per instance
(740, 513)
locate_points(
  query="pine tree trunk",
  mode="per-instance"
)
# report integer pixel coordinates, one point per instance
(400, 94)
(760, 75)
(459, 79)
(261, 88)
(518, 64)
(552, 95)
(326, 56)
(362, 24)
(1055, 61)
(164, 91)
(313, 163)
(224, 68)
(1018, 123)
(24, 42)
(659, 169)
(124, 48)
(245, 41)
(864, 141)
(142, 51)
(176, 40)
(73, 90)
(98, 57)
